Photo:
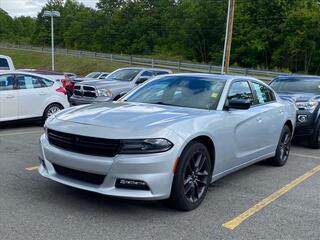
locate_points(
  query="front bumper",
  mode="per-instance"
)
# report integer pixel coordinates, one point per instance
(153, 169)
(76, 101)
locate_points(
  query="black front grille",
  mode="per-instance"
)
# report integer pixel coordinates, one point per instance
(79, 175)
(85, 145)
(89, 94)
(85, 91)
(86, 88)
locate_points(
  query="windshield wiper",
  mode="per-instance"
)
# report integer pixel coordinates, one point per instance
(162, 103)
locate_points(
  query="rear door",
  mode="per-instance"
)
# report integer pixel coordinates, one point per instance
(8, 98)
(32, 96)
(271, 113)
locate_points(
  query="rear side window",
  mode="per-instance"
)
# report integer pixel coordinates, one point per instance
(147, 74)
(161, 73)
(240, 90)
(6, 82)
(264, 94)
(4, 65)
(31, 82)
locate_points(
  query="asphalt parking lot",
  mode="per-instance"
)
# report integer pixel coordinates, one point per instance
(259, 202)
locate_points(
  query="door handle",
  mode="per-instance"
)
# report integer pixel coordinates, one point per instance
(42, 93)
(259, 119)
(10, 96)
(281, 112)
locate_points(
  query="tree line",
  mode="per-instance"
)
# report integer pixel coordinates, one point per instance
(268, 34)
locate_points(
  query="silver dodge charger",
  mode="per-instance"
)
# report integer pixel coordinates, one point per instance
(169, 138)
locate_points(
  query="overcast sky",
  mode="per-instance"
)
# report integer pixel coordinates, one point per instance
(31, 7)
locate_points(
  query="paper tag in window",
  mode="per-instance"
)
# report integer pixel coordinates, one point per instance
(214, 95)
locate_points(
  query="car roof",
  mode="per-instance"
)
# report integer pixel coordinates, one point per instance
(147, 68)
(215, 76)
(28, 73)
(299, 76)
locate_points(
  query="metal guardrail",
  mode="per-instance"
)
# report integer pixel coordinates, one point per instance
(178, 66)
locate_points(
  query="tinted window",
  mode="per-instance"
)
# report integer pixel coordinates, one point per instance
(31, 82)
(264, 94)
(147, 74)
(93, 75)
(183, 91)
(103, 75)
(240, 90)
(305, 85)
(161, 72)
(124, 74)
(4, 65)
(6, 82)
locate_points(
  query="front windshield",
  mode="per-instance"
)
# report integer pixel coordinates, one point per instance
(124, 74)
(304, 85)
(182, 91)
(93, 75)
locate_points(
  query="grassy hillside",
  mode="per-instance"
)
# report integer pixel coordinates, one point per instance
(78, 65)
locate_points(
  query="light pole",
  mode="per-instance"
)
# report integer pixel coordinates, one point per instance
(52, 14)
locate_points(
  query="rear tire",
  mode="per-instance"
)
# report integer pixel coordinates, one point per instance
(192, 177)
(314, 142)
(283, 149)
(50, 110)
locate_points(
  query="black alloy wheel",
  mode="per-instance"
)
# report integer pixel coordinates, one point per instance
(192, 177)
(283, 149)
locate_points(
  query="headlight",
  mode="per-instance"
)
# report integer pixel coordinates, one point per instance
(104, 93)
(155, 145)
(311, 105)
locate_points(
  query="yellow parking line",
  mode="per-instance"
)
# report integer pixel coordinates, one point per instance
(32, 168)
(305, 156)
(19, 133)
(232, 224)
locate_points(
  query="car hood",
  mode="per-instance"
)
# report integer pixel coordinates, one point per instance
(132, 116)
(298, 97)
(105, 83)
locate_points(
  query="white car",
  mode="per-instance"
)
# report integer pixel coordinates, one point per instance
(26, 95)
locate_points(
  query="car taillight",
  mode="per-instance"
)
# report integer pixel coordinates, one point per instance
(62, 90)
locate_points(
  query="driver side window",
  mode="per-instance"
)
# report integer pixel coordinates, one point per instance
(240, 91)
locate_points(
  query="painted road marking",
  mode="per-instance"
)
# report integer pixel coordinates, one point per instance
(305, 156)
(19, 133)
(32, 168)
(232, 224)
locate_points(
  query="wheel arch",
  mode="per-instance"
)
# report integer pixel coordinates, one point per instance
(290, 125)
(208, 142)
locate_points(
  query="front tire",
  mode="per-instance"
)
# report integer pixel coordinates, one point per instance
(192, 177)
(50, 110)
(283, 149)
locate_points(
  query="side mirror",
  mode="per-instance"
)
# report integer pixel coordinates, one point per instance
(142, 80)
(243, 104)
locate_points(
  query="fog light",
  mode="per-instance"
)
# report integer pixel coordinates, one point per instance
(132, 184)
(302, 118)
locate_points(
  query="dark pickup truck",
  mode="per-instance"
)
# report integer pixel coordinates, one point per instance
(305, 92)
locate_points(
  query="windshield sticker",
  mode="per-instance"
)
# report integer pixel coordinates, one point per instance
(214, 95)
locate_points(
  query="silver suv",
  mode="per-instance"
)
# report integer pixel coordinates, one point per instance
(114, 86)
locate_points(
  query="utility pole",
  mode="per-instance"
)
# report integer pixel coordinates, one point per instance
(228, 38)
